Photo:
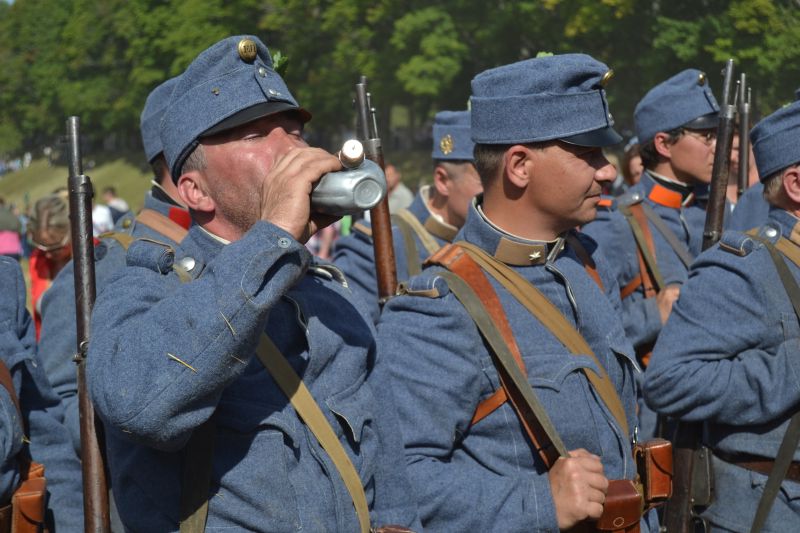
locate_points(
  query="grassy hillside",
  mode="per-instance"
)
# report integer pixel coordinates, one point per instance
(40, 179)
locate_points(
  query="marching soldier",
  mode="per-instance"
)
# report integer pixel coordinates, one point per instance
(163, 219)
(241, 376)
(539, 126)
(32, 425)
(728, 355)
(432, 219)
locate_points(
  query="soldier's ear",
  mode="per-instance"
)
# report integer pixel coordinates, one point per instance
(194, 193)
(662, 144)
(519, 165)
(791, 184)
(441, 181)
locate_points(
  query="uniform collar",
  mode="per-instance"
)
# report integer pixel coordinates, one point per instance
(786, 223)
(667, 192)
(158, 200)
(430, 220)
(506, 247)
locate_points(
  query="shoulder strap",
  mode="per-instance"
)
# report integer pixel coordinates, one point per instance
(162, 224)
(409, 246)
(469, 284)
(307, 408)
(196, 478)
(649, 274)
(552, 319)
(791, 438)
(586, 259)
(424, 235)
(675, 243)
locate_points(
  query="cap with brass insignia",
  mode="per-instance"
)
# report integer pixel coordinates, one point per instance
(451, 136)
(684, 100)
(542, 99)
(229, 84)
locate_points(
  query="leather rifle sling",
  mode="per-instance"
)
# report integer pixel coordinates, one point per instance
(308, 409)
(648, 268)
(409, 246)
(791, 438)
(680, 249)
(555, 322)
(471, 287)
(586, 259)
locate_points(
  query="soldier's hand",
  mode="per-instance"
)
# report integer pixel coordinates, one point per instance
(665, 298)
(579, 488)
(286, 192)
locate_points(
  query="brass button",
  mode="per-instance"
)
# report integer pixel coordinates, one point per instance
(247, 50)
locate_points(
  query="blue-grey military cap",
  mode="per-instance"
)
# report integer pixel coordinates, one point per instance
(150, 120)
(685, 100)
(452, 140)
(553, 97)
(776, 140)
(231, 83)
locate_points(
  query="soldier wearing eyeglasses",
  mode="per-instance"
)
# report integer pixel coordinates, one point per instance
(652, 233)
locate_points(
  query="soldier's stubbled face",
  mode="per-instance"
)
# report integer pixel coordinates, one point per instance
(239, 162)
(566, 183)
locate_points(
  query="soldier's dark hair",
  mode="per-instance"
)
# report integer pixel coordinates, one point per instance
(160, 168)
(489, 158)
(650, 156)
(195, 161)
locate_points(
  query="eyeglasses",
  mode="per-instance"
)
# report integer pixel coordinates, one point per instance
(707, 137)
(49, 247)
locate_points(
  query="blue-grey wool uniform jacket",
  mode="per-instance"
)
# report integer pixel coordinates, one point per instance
(354, 254)
(615, 238)
(751, 211)
(57, 343)
(42, 412)
(166, 356)
(729, 356)
(485, 477)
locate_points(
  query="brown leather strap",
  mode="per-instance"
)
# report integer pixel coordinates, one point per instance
(634, 284)
(646, 251)
(758, 464)
(586, 259)
(552, 319)
(489, 405)
(161, 224)
(459, 263)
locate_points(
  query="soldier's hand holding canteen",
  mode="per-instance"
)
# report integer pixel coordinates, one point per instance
(579, 488)
(286, 192)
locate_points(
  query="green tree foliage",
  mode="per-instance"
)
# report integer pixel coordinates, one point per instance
(100, 58)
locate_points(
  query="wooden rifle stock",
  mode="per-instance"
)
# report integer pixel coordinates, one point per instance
(95, 488)
(385, 266)
(678, 515)
(744, 137)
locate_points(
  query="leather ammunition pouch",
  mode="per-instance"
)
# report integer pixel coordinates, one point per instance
(654, 464)
(622, 510)
(28, 501)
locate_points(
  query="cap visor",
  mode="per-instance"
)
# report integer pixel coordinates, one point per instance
(704, 122)
(254, 113)
(606, 136)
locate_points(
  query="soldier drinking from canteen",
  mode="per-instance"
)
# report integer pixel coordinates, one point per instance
(432, 219)
(235, 371)
(729, 354)
(540, 296)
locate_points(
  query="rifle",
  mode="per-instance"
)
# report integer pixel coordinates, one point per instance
(692, 482)
(744, 137)
(367, 129)
(95, 488)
